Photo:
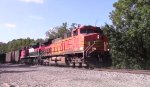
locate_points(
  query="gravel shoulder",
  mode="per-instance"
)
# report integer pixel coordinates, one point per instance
(46, 76)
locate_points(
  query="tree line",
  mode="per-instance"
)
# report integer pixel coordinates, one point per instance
(129, 35)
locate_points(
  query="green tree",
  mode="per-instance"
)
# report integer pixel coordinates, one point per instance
(60, 31)
(57, 32)
(40, 40)
(18, 44)
(130, 42)
(3, 47)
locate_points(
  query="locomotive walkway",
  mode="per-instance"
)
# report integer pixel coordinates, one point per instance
(46, 76)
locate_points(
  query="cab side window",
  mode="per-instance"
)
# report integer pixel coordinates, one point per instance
(98, 30)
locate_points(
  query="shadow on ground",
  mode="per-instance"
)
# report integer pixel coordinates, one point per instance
(16, 66)
(1, 72)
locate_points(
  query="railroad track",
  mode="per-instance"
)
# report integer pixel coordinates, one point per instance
(109, 69)
(147, 72)
(131, 71)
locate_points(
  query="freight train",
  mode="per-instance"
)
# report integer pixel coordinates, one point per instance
(85, 45)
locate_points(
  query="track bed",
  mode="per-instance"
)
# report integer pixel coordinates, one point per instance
(47, 76)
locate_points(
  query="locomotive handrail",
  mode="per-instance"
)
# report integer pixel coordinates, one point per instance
(88, 48)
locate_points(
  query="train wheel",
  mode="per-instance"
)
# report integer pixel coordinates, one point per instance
(50, 64)
(91, 66)
(73, 65)
(56, 64)
(87, 66)
(68, 63)
(80, 65)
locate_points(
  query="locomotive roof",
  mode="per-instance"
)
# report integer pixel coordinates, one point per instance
(48, 41)
(87, 26)
(34, 45)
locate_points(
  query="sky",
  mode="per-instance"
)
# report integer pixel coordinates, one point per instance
(32, 18)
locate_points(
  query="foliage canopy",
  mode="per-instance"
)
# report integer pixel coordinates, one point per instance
(130, 40)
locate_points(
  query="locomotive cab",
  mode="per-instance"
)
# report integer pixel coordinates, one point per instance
(86, 30)
(88, 35)
(90, 30)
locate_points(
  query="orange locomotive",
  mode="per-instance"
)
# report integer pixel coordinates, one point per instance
(86, 45)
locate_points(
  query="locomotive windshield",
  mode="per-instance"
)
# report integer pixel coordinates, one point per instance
(89, 30)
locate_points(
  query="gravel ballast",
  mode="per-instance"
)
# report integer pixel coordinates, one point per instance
(14, 75)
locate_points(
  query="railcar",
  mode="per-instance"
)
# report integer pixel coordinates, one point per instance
(2, 57)
(8, 57)
(12, 57)
(30, 55)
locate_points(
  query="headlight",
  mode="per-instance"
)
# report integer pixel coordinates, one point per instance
(97, 36)
(107, 49)
(81, 48)
(93, 48)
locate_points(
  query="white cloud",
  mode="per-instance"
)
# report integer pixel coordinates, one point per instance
(9, 25)
(33, 1)
(36, 17)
